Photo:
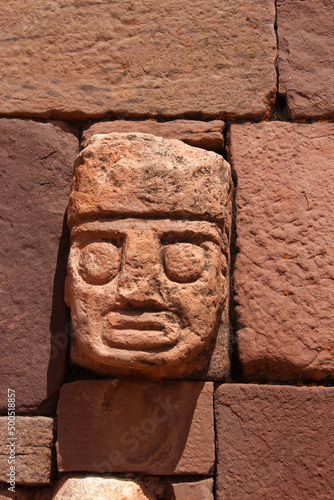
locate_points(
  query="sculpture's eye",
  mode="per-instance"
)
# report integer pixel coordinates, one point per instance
(99, 262)
(184, 262)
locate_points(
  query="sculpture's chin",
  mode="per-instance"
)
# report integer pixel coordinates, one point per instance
(144, 352)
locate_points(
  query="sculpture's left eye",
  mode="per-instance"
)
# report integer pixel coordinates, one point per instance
(99, 262)
(184, 262)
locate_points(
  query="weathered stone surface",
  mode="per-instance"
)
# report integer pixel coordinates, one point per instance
(136, 426)
(206, 135)
(160, 486)
(274, 442)
(285, 266)
(31, 449)
(101, 488)
(306, 64)
(23, 493)
(36, 163)
(197, 490)
(147, 275)
(84, 60)
(137, 174)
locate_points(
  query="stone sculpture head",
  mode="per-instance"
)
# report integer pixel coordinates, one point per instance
(147, 271)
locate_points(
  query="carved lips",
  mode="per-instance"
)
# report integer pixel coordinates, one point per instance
(142, 330)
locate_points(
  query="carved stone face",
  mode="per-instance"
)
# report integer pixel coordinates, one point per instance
(146, 283)
(146, 295)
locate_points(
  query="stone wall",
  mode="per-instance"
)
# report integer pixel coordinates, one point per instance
(252, 82)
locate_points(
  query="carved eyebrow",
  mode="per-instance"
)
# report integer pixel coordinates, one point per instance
(101, 234)
(101, 229)
(190, 235)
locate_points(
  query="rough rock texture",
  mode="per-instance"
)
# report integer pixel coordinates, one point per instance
(197, 490)
(274, 442)
(285, 266)
(206, 135)
(148, 286)
(136, 426)
(135, 174)
(101, 488)
(23, 493)
(36, 162)
(168, 58)
(32, 449)
(306, 64)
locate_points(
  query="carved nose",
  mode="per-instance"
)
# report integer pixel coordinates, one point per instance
(140, 275)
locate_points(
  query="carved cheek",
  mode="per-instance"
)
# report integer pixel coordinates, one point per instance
(198, 299)
(92, 279)
(190, 278)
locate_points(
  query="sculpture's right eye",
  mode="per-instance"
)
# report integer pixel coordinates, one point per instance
(99, 262)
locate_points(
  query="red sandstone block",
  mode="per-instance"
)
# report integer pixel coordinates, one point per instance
(36, 161)
(136, 426)
(206, 135)
(86, 59)
(306, 64)
(274, 442)
(29, 447)
(284, 272)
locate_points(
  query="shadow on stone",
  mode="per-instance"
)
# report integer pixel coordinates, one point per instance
(140, 426)
(59, 326)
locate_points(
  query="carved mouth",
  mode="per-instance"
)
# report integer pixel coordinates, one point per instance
(142, 330)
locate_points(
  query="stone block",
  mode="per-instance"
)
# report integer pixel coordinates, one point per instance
(86, 60)
(306, 65)
(101, 488)
(23, 493)
(136, 426)
(206, 135)
(36, 163)
(30, 448)
(284, 269)
(274, 442)
(194, 490)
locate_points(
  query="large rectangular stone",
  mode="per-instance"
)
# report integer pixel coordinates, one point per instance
(36, 162)
(29, 445)
(284, 272)
(274, 442)
(136, 426)
(77, 60)
(306, 64)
